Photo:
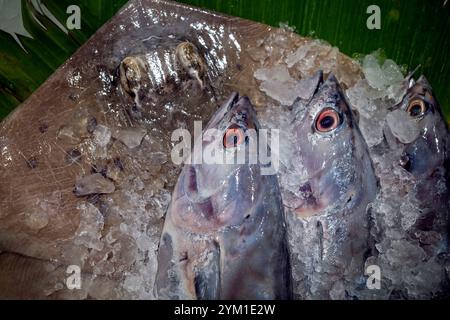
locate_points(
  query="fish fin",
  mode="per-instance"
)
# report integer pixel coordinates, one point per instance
(207, 275)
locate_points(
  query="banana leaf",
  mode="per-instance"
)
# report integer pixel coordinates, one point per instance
(34, 40)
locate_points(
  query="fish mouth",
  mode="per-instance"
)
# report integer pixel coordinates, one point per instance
(235, 102)
(233, 105)
(220, 114)
(240, 104)
(322, 89)
(332, 78)
(235, 110)
(330, 87)
(322, 83)
(243, 101)
(423, 82)
(303, 212)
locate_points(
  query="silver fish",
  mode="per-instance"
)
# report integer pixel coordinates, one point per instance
(425, 145)
(410, 229)
(224, 233)
(328, 199)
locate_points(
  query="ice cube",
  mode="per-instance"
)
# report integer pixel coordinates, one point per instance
(91, 224)
(277, 73)
(298, 55)
(131, 137)
(401, 126)
(373, 72)
(392, 72)
(102, 135)
(93, 184)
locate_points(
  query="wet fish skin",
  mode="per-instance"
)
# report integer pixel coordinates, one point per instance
(224, 233)
(430, 149)
(426, 158)
(327, 208)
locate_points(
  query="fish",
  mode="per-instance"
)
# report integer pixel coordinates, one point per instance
(85, 170)
(224, 231)
(105, 117)
(424, 142)
(412, 163)
(330, 184)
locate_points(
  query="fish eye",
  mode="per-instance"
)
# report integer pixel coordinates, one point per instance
(234, 136)
(416, 108)
(327, 120)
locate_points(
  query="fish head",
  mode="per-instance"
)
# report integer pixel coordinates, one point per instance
(328, 199)
(222, 192)
(226, 219)
(232, 129)
(330, 149)
(235, 110)
(425, 145)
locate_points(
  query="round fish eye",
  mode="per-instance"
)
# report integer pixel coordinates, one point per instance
(327, 120)
(416, 108)
(234, 136)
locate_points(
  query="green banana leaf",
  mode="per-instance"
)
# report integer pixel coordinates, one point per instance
(413, 32)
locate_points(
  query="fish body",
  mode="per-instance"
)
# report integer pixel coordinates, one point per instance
(410, 229)
(327, 201)
(224, 233)
(425, 146)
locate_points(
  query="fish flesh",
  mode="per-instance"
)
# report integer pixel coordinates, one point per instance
(224, 232)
